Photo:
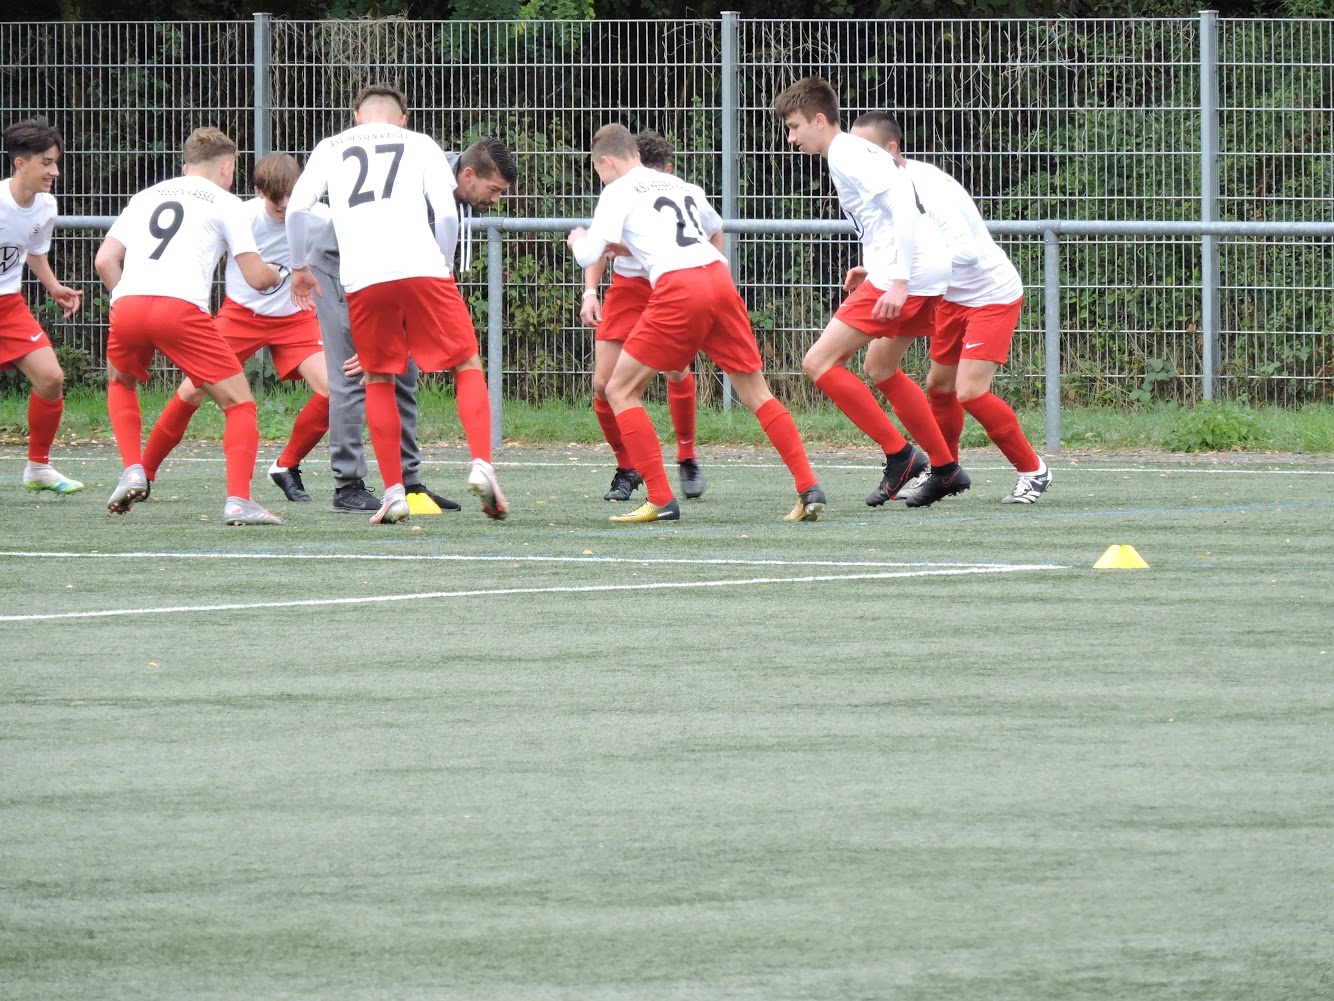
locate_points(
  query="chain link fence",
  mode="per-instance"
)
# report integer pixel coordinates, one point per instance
(1063, 120)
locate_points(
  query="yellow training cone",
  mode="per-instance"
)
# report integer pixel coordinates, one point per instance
(422, 504)
(1121, 558)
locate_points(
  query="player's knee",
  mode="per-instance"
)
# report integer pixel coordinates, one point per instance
(815, 364)
(49, 384)
(877, 371)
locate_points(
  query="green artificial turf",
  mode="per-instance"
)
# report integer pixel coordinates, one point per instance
(892, 754)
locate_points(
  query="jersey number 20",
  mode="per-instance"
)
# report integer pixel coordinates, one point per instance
(691, 210)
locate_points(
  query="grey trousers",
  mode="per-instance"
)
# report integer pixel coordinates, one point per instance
(347, 396)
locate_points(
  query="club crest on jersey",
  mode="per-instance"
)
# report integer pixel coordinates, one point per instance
(11, 257)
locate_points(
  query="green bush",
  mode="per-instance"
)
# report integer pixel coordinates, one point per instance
(1211, 427)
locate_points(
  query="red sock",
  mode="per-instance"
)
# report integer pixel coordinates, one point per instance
(1002, 427)
(852, 397)
(240, 446)
(309, 427)
(612, 432)
(782, 431)
(386, 431)
(474, 411)
(167, 433)
(641, 442)
(127, 423)
(948, 412)
(914, 413)
(43, 422)
(681, 404)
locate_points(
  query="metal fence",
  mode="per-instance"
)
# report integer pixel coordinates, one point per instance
(1058, 120)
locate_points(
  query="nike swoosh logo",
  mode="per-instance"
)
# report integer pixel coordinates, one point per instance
(970, 347)
(35, 337)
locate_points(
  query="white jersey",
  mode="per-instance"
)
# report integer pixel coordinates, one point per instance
(271, 239)
(382, 182)
(174, 233)
(981, 272)
(22, 232)
(628, 267)
(664, 221)
(899, 241)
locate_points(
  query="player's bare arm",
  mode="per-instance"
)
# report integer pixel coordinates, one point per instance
(590, 307)
(856, 275)
(110, 262)
(891, 303)
(69, 299)
(258, 273)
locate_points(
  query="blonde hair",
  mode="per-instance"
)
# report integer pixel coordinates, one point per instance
(615, 141)
(208, 144)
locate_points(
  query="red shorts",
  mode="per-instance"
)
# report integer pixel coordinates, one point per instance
(422, 318)
(690, 311)
(916, 319)
(20, 333)
(622, 307)
(980, 333)
(141, 324)
(290, 339)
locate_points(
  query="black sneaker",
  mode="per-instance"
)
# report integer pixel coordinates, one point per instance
(810, 505)
(898, 474)
(938, 484)
(692, 480)
(441, 501)
(623, 483)
(289, 482)
(354, 498)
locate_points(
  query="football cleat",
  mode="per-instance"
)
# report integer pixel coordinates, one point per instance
(624, 482)
(1030, 487)
(288, 480)
(936, 486)
(810, 505)
(41, 476)
(394, 508)
(671, 511)
(692, 480)
(244, 511)
(482, 484)
(354, 498)
(132, 486)
(898, 474)
(439, 500)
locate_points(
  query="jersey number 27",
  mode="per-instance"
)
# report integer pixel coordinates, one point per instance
(357, 153)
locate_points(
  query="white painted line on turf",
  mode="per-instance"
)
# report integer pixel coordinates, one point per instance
(518, 558)
(500, 592)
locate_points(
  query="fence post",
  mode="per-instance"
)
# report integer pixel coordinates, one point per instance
(495, 323)
(1051, 275)
(731, 188)
(263, 85)
(1209, 270)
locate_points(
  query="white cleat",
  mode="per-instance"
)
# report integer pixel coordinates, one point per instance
(132, 486)
(1030, 486)
(244, 511)
(482, 484)
(41, 476)
(394, 508)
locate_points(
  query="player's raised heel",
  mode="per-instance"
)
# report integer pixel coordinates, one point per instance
(624, 482)
(671, 511)
(45, 477)
(810, 505)
(243, 511)
(394, 508)
(482, 484)
(132, 486)
(692, 479)
(288, 480)
(897, 476)
(937, 486)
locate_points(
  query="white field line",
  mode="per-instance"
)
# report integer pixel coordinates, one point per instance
(523, 558)
(498, 592)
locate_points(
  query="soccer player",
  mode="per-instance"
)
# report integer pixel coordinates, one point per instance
(613, 319)
(661, 221)
(894, 294)
(27, 220)
(974, 323)
(384, 183)
(483, 172)
(158, 260)
(250, 320)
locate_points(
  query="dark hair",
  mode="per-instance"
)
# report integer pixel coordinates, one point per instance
(489, 157)
(381, 90)
(31, 137)
(654, 150)
(276, 175)
(884, 126)
(811, 96)
(616, 141)
(208, 143)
